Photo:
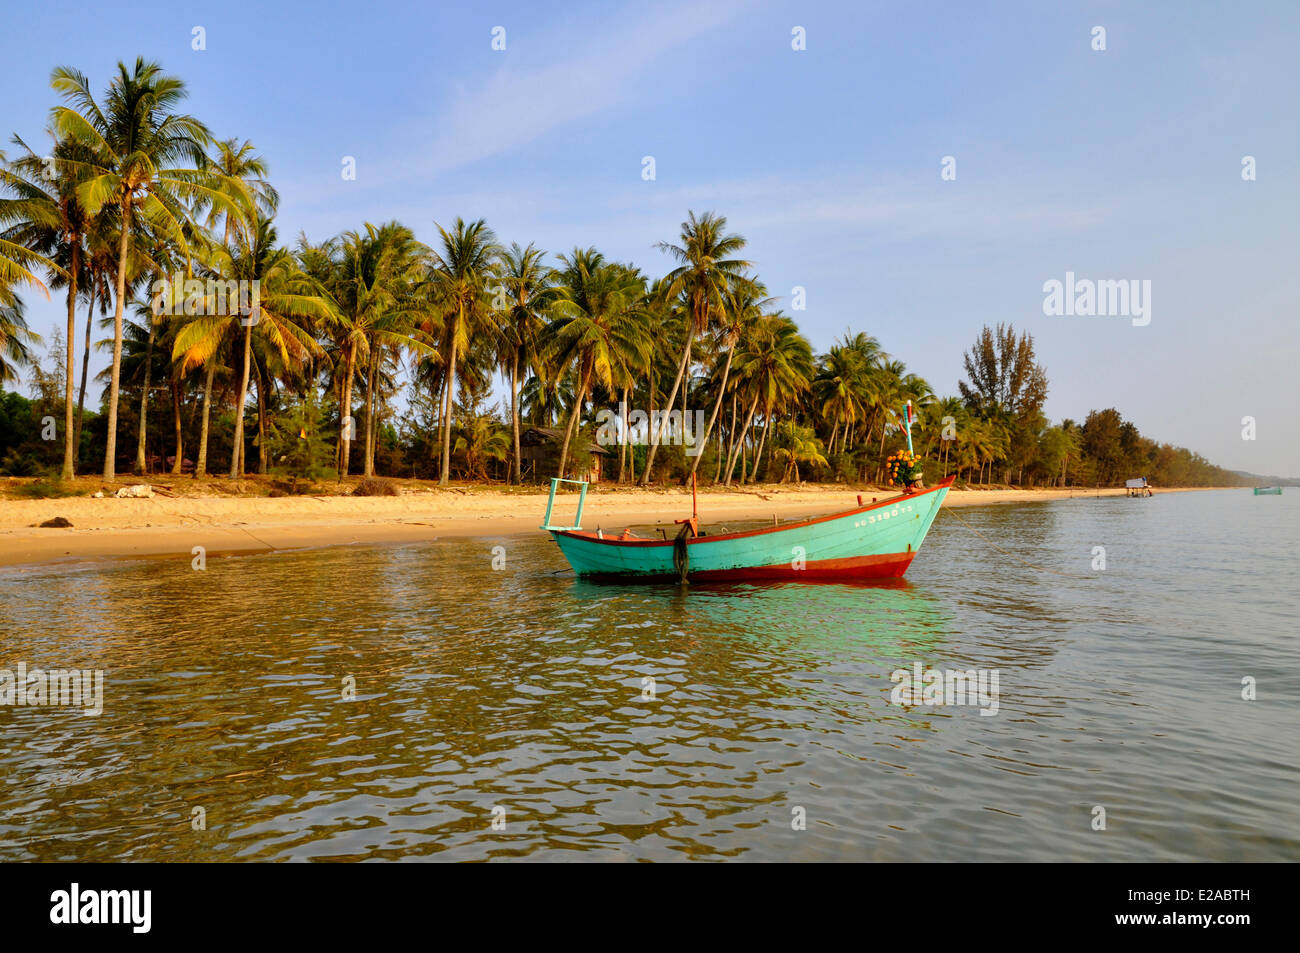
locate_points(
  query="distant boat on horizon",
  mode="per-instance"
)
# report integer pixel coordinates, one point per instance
(1268, 491)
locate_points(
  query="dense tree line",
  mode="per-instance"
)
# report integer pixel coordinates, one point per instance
(371, 353)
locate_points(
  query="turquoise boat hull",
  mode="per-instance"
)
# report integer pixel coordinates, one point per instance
(876, 541)
(1268, 491)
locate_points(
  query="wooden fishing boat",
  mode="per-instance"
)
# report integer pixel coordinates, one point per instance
(871, 541)
(1268, 491)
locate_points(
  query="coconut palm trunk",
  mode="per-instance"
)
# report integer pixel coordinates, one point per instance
(738, 449)
(200, 467)
(114, 381)
(85, 368)
(347, 426)
(730, 442)
(445, 476)
(141, 463)
(623, 448)
(69, 426)
(237, 451)
(178, 466)
(261, 423)
(650, 406)
(731, 436)
(370, 414)
(758, 451)
(657, 433)
(442, 414)
(717, 406)
(573, 420)
(514, 414)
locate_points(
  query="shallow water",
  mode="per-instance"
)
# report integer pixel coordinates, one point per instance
(521, 690)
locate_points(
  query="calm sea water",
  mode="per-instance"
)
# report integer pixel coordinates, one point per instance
(518, 696)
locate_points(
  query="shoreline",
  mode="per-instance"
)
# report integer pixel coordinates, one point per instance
(111, 528)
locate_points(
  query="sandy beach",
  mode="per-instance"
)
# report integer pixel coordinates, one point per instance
(173, 525)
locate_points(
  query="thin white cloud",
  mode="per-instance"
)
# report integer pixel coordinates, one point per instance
(541, 86)
(518, 106)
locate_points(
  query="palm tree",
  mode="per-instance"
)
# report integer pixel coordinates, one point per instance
(596, 324)
(984, 444)
(546, 391)
(15, 340)
(142, 364)
(527, 289)
(777, 363)
(663, 318)
(158, 256)
(748, 395)
(100, 267)
(794, 444)
(16, 262)
(482, 440)
(242, 175)
(288, 303)
(456, 282)
(215, 362)
(869, 356)
(51, 220)
(744, 301)
(634, 361)
(134, 145)
(940, 411)
(373, 287)
(836, 393)
(704, 274)
(886, 390)
(152, 324)
(844, 388)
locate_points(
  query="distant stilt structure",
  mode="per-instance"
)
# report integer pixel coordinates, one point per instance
(1138, 487)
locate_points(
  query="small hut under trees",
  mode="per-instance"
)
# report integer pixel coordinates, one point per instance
(539, 449)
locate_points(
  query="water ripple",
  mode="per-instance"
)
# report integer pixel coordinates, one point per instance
(395, 703)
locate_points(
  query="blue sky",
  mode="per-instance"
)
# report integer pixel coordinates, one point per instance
(1115, 164)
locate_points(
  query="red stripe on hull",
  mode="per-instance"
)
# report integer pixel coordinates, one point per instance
(851, 568)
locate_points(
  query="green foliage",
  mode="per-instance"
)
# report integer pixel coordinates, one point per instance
(301, 449)
(480, 439)
(45, 489)
(843, 468)
(793, 445)
(24, 451)
(1002, 373)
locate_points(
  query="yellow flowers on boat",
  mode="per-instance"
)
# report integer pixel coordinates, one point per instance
(903, 468)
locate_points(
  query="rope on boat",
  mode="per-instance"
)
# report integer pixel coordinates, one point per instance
(682, 558)
(1054, 572)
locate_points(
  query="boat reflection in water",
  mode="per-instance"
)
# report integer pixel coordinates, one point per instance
(882, 620)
